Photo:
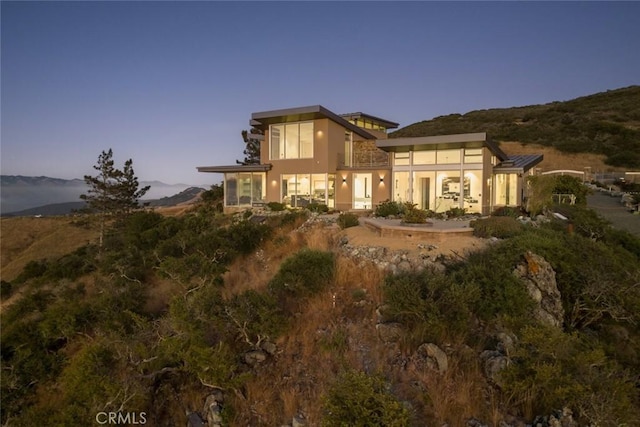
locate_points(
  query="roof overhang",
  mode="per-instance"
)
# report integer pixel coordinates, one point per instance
(235, 168)
(263, 119)
(386, 123)
(518, 163)
(461, 140)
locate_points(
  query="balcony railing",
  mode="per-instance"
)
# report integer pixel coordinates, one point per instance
(363, 160)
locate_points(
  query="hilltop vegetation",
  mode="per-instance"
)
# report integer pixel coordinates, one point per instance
(277, 322)
(604, 123)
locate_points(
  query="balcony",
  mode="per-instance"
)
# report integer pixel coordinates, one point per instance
(364, 160)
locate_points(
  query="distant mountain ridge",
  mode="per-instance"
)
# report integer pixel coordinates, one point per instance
(603, 123)
(21, 193)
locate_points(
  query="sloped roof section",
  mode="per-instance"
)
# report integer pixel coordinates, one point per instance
(263, 119)
(518, 163)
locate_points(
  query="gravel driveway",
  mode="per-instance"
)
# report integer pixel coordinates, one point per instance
(611, 209)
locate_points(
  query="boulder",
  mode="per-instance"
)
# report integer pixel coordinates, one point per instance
(539, 279)
(430, 356)
(254, 357)
(494, 363)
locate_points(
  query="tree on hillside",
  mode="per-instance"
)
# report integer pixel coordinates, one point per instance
(113, 191)
(252, 147)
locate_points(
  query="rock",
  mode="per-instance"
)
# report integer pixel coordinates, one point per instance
(254, 357)
(298, 421)
(194, 420)
(539, 279)
(494, 363)
(430, 356)
(404, 266)
(269, 347)
(506, 343)
(213, 408)
(389, 332)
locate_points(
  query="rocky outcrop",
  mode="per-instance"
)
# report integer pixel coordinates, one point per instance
(394, 262)
(539, 279)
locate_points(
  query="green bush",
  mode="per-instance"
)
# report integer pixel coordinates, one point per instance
(276, 206)
(413, 215)
(501, 227)
(388, 208)
(456, 212)
(431, 305)
(303, 274)
(551, 369)
(317, 207)
(347, 219)
(509, 211)
(358, 399)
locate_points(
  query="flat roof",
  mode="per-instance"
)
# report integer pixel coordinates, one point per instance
(235, 168)
(263, 119)
(469, 140)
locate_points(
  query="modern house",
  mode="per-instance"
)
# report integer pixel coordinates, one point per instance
(312, 155)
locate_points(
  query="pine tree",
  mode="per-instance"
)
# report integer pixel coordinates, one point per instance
(252, 147)
(113, 191)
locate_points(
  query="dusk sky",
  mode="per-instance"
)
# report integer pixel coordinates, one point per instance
(172, 84)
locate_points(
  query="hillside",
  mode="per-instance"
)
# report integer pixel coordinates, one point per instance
(20, 193)
(287, 319)
(606, 124)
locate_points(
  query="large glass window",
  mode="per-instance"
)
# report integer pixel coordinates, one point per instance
(506, 189)
(473, 155)
(292, 141)
(472, 190)
(298, 190)
(423, 189)
(401, 188)
(447, 190)
(424, 157)
(243, 189)
(448, 156)
(400, 159)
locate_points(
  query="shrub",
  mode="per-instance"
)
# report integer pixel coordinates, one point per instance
(388, 208)
(507, 211)
(552, 369)
(456, 212)
(501, 227)
(317, 207)
(413, 215)
(430, 305)
(303, 274)
(347, 219)
(357, 399)
(276, 206)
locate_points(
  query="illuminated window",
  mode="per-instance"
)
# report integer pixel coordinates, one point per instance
(292, 141)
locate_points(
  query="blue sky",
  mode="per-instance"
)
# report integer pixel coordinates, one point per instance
(172, 84)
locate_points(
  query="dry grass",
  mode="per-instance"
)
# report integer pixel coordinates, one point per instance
(26, 239)
(555, 159)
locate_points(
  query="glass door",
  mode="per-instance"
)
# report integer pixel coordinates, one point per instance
(362, 190)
